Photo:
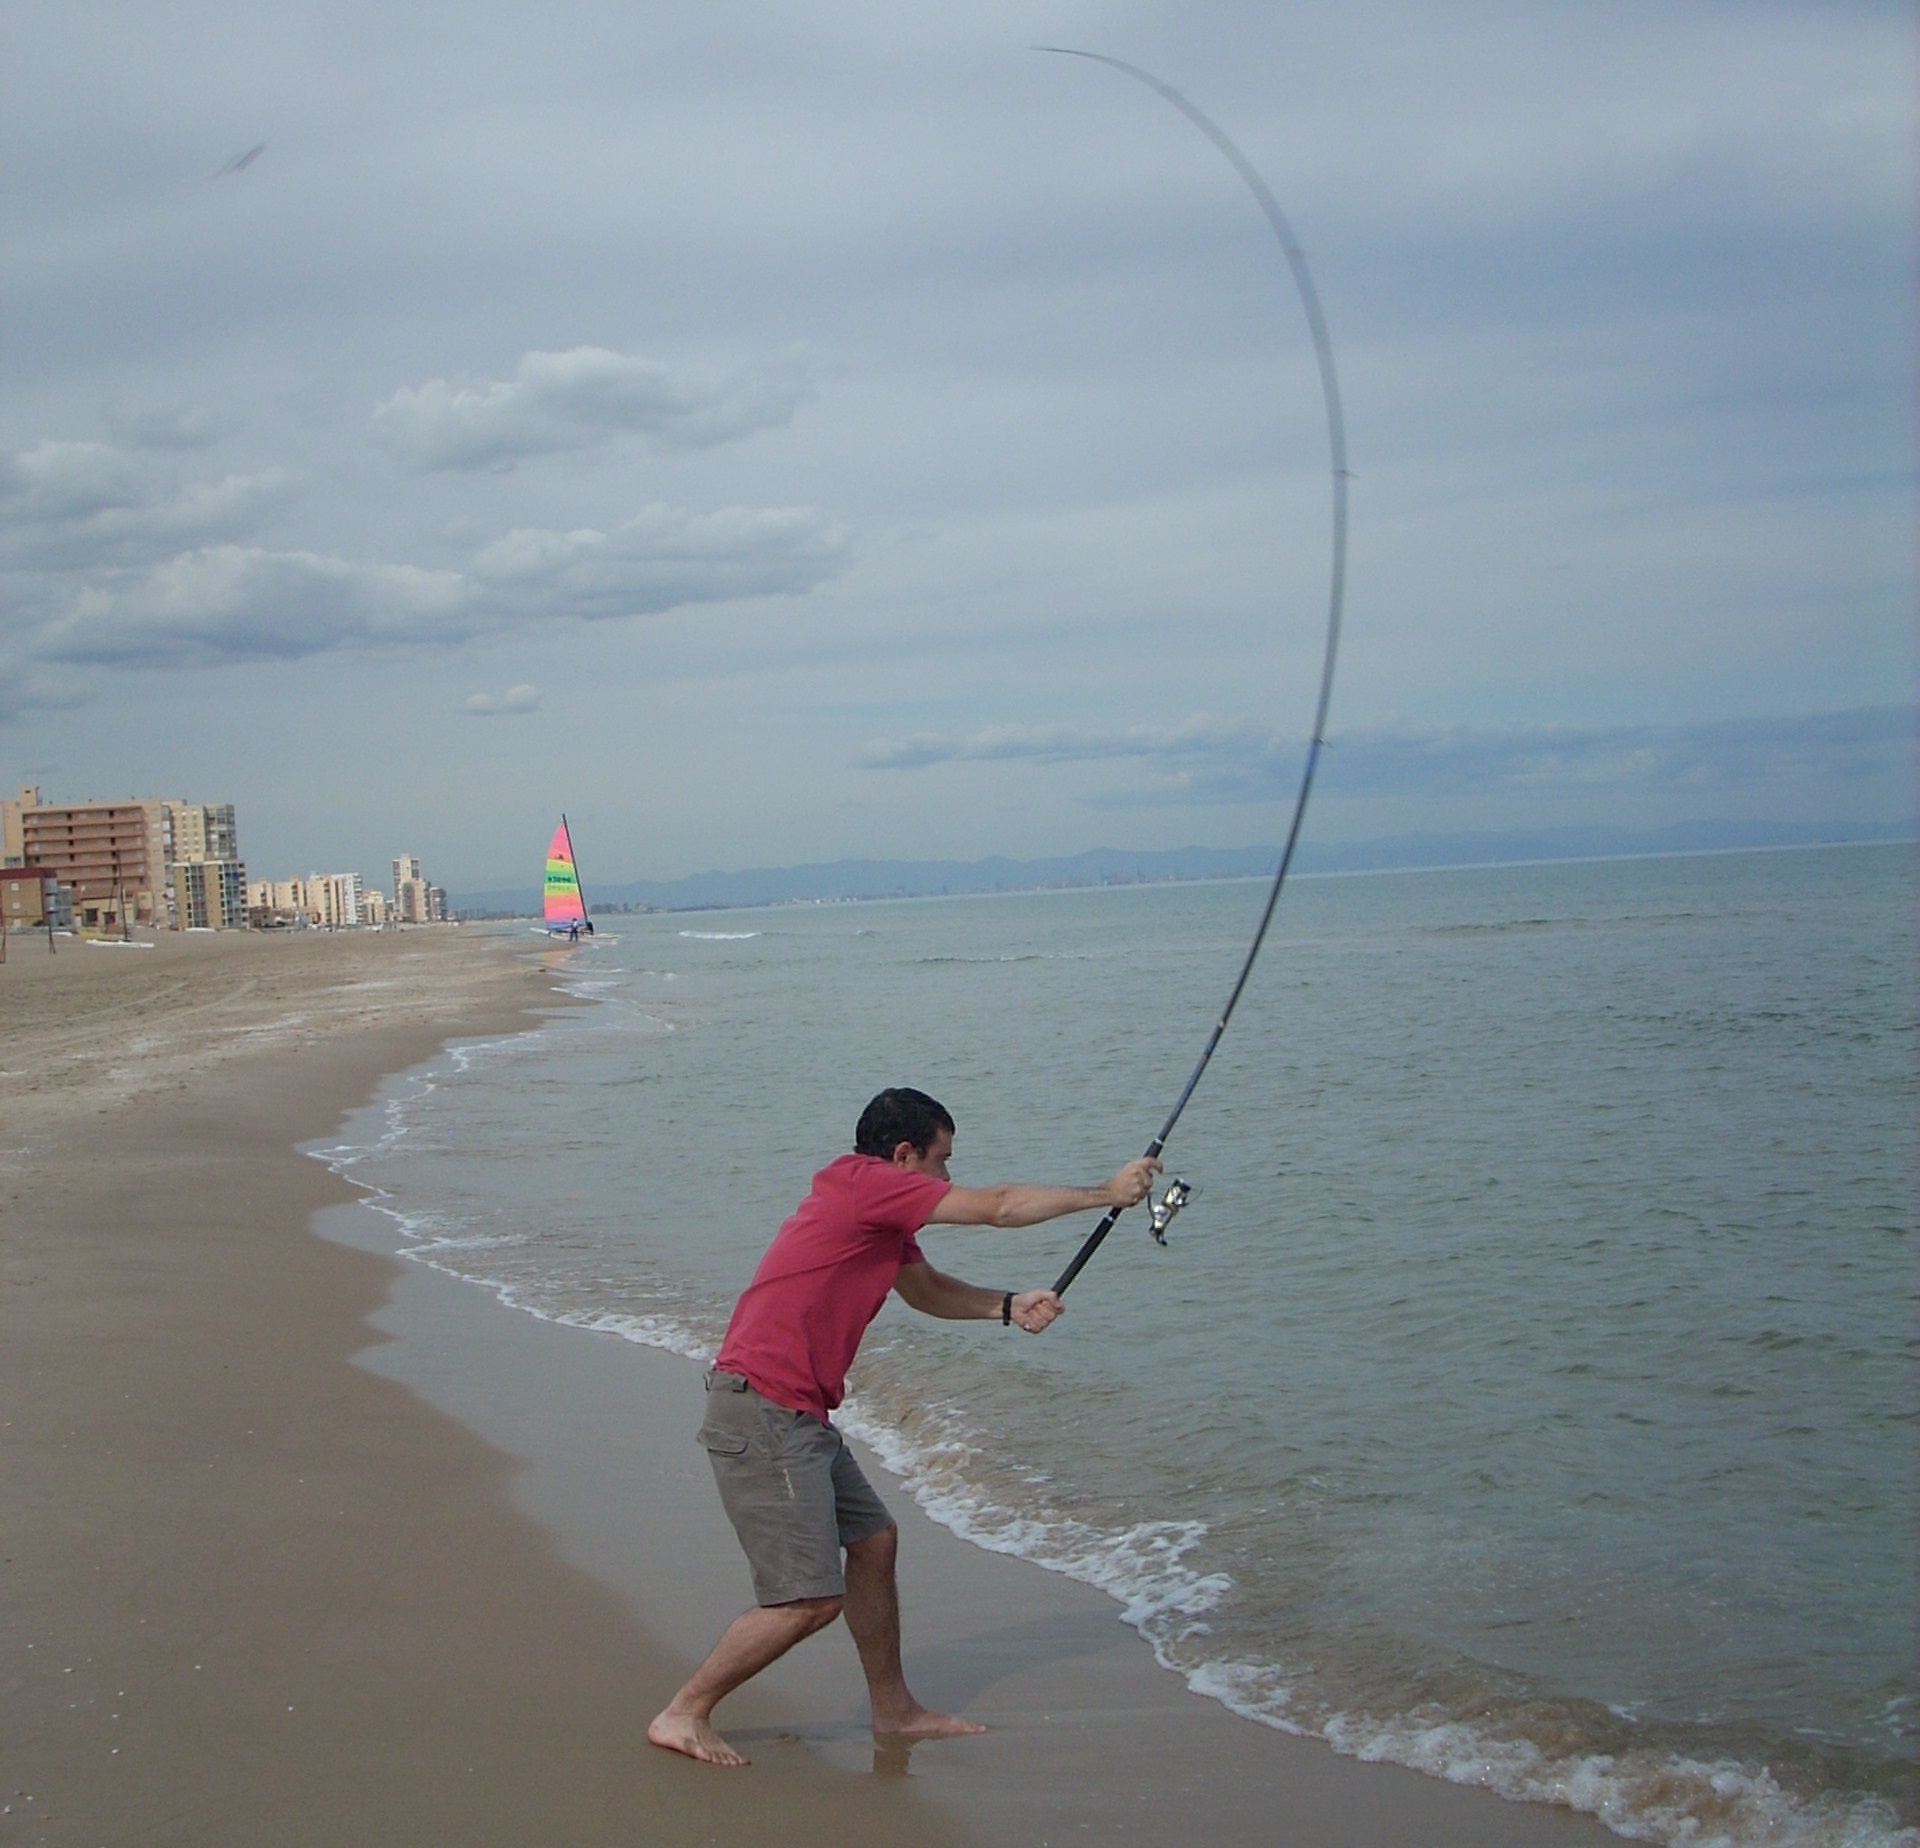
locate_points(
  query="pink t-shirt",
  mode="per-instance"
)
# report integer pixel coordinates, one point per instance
(798, 1324)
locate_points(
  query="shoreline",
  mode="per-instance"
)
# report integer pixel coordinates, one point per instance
(434, 1593)
(254, 1592)
(1086, 1723)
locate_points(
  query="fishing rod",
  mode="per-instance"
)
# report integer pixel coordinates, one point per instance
(1161, 1213)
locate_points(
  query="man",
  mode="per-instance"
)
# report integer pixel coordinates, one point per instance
(791, 1487)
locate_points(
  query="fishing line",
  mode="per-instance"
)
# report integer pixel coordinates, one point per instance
(1177, 1192)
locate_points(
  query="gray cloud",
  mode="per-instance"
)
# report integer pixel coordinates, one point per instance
(1198, 737)
(165, 426)
(233, 603)
(579, 399)
(1621, 297)
(660, 559)
(1208, 761)
(239, 603)
(64, 505)
(513, 702)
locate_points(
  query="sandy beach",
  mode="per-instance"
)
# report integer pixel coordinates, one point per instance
(302, 1543)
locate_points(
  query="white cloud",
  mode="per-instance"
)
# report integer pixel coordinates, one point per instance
(575, 400)
(513, 701)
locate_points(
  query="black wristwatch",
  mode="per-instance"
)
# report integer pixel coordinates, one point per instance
(1006, 1310)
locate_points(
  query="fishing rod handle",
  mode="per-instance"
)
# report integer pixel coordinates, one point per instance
(1087, 1250)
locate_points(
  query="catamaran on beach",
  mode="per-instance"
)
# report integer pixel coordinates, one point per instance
(566, 905)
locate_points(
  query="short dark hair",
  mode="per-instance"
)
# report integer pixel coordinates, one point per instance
(900, 1115)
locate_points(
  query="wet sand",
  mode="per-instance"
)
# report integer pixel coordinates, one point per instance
(252, 1593)
(304, 1544)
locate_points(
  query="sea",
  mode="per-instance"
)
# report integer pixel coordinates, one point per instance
(1527, 1394)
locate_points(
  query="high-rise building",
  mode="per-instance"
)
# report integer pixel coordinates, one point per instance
(204, 831)
(333, 900)
(112, 856)
(210, 894)
(415, 901)
(122, 861)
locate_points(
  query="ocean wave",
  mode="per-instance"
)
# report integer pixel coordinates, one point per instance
(1155, 1571)
(720, 936)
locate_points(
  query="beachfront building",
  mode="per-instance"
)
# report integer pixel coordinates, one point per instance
(321, 901)
(210, 894)
(204, 832)
(31, 898)
(415, 900)
(274, 904)
(122, 862)
(209, 880)
(112, 856)
(333, 900)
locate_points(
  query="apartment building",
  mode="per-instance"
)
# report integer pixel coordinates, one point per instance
(415, 900)
(31, 898)
(112, 856)
(121, 861)
(210, 894)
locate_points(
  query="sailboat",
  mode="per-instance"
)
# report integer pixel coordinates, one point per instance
(566, 904)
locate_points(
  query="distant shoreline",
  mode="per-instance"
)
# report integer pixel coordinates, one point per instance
(757, 889)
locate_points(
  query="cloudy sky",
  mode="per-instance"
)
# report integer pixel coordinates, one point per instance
(781, 432)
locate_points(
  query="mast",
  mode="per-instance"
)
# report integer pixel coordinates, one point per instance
(575, 858)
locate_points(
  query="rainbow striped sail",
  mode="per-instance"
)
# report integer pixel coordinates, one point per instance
(566, 908)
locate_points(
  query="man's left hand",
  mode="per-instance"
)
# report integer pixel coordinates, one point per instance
(1034, 1310)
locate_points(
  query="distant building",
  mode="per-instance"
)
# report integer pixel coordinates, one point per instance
(31, 898)
(121, 861)
(204, 831)
(210, 894)
(321, 901)
(112, 856)
(415, 901)
(333, 900)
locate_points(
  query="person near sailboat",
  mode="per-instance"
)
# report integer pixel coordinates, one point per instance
(819, 1541)
(565, 907)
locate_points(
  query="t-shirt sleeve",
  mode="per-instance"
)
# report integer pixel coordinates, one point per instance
(900, 1199)
(910, 1252)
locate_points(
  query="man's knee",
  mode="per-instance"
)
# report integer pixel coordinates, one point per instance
(811, 1614)
(876, 1549)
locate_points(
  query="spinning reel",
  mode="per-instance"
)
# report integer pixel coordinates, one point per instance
(1161, 1212)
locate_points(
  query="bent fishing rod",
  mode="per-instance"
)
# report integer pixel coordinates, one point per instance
(1177, 1192)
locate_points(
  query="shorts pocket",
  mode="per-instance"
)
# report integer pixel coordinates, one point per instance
(723, 1443)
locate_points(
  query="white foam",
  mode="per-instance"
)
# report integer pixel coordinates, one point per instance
(720, 936)
(1651, 1795)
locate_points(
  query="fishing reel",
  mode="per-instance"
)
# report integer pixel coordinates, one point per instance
(1160, 1213)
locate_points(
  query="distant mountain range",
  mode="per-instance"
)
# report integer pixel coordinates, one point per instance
(851, 879)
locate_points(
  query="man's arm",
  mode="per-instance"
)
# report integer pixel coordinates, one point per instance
(933, 1292)
(1017, 1204)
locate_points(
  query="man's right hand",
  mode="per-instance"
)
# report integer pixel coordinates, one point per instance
(1132, 1183)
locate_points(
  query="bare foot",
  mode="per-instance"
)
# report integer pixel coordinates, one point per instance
(923, 1723)
(681, 1732)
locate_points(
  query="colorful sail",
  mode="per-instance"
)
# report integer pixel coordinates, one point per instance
(566, 908)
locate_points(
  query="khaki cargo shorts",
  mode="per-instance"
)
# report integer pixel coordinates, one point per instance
(791, 1489)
